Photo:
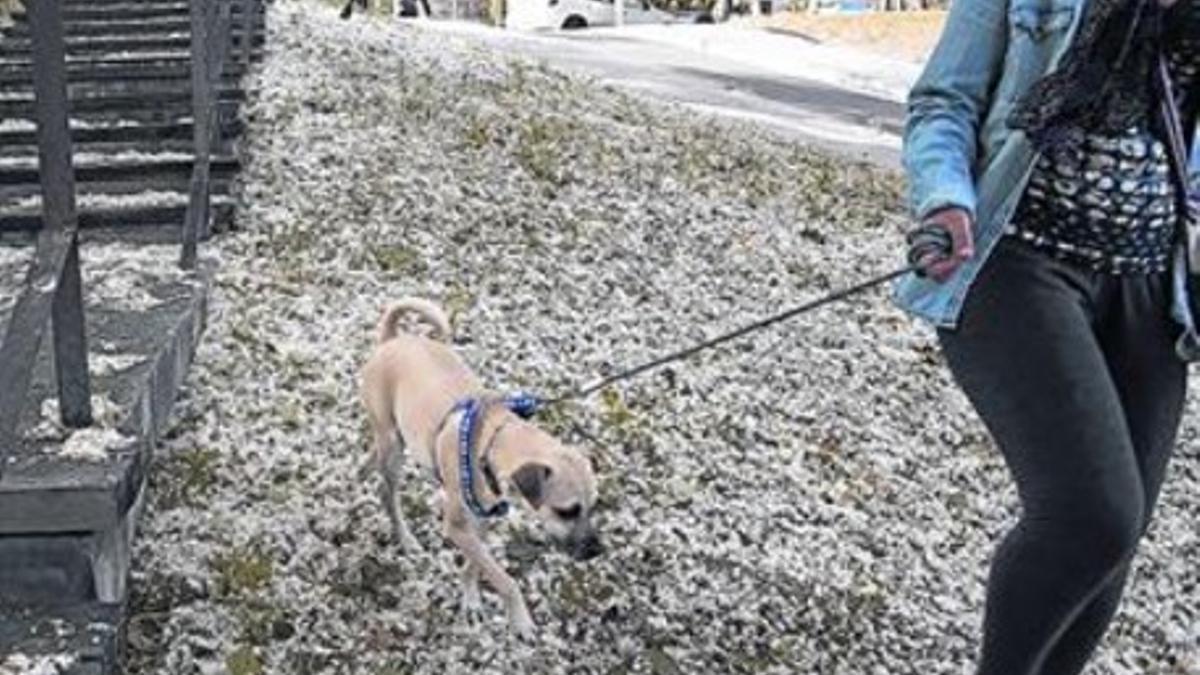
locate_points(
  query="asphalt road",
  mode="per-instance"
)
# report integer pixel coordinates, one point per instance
(845, 121)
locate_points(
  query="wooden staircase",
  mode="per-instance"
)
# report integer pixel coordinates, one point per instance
(66, 525)
(129, 70)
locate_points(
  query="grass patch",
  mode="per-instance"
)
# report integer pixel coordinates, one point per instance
(242, 571)
(399, 259)
(540, 149)
(244, 661)
(186, 478)
(614, 412)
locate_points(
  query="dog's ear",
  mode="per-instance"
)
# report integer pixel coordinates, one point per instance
(530, 479)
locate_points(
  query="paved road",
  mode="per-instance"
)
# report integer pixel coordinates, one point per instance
(848, 122)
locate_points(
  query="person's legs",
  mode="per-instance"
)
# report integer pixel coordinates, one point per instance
(1027, 355)
(1137, 335)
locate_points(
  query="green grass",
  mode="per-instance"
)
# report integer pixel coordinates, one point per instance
(243, 661)
(242, 571)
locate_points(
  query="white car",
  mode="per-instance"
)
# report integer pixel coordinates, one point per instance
(572, 14)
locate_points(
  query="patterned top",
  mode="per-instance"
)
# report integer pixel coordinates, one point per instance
(1107, 201)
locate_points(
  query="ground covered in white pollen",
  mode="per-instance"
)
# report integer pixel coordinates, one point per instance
(826, 507)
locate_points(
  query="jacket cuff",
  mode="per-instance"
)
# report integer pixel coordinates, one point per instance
(962, 198)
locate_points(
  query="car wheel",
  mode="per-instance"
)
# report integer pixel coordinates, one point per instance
(705, 18)
(574, 22)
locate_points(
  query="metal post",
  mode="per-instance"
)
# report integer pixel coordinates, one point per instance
(58, 206)
(70, 344)
(196, 219)
(249, 25)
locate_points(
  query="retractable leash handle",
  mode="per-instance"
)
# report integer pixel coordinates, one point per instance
(928, 244)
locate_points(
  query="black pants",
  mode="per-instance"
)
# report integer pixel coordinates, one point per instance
(1075, 376)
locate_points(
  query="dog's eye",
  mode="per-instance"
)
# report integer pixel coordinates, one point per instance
(569, 513)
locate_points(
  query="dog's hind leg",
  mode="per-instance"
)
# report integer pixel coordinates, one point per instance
(389, 452)
(348, 9)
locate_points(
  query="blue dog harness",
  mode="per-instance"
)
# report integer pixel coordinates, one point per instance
(521, 405)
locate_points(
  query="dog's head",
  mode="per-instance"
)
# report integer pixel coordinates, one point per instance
(561, 490)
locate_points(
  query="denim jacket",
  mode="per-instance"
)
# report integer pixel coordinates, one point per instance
(959, 150)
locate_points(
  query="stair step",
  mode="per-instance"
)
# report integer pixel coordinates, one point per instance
(103, 71)
(222, 210)
(125, 12)
(161, 101)
(228, 88)
(174, 166)
(88, 634)
(180, 112)
(11, 193)
(168, 24)
(94, 134)
(125, 44)
(105, 146)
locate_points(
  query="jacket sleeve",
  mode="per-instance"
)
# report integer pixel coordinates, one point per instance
(948, 103)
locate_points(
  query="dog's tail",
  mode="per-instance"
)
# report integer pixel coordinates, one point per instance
(429, 312)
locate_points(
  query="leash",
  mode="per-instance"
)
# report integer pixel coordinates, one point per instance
(923, 242)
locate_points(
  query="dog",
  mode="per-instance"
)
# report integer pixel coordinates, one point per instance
(412, 386)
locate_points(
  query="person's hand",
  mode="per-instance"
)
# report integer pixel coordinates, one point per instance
(942, 243)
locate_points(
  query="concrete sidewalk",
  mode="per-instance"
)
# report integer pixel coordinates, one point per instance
(839, 99)
(779, 53)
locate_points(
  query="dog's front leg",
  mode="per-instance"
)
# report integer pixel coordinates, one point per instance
(472, 604)
(467, 540)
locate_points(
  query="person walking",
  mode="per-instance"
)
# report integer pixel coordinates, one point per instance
(1034, 140)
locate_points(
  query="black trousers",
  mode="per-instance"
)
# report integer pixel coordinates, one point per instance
(1075, 376)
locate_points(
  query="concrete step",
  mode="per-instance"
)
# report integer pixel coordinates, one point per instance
(222, 210)
(123, 11)
(10, 195)
(27, 136)
(145, 88)
(106, 169)
(66, 518)
(124, 44)
(115, 117)
(169, 24)
(101, 70)
(120, 131)
(181, 145)
(158, 102)
(84, 638)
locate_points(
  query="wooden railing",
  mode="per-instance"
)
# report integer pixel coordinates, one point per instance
(51, 298)
(210, 48)
(52, 295)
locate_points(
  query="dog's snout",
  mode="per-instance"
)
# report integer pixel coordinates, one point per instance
(589, 548)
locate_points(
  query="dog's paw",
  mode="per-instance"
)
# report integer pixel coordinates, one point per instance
(524, 628)
(471, 606)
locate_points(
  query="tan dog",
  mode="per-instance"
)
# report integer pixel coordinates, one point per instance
(411, 385)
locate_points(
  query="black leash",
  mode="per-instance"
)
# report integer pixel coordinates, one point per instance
(918, 251)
